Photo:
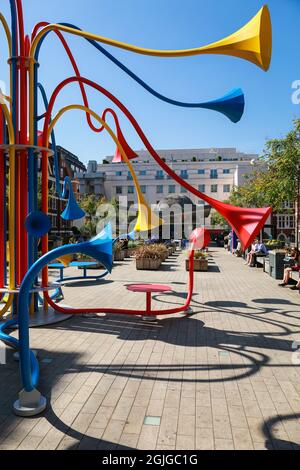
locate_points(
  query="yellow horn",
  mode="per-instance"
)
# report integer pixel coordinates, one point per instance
(147, 219)
(66, 260)
(253, 42)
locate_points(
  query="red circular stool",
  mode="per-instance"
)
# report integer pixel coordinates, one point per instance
(148, 289)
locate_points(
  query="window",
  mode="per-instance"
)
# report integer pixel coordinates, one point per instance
(159, 175)
(201, 188)
(183, 190)
(201, 202)
(143, 189)
(118, 173)
(184, 174)
(213, 174)
(172, 189)
(201, 172)
(280, 221)
(129, 176)
(119, 190)
(226, 188)
(214, 188)
(286, 221)
(143, 173)
(226, 172)
(159, 189)
(130, 189)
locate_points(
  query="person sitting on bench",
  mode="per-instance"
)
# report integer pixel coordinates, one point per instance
(294, 265)
(252, 251)
(260, 250)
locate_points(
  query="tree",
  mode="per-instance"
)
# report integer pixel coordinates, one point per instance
(277, 179)
(282, 156)
(218, 221)
(90, 204)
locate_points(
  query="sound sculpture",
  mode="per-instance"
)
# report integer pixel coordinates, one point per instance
(27, 141)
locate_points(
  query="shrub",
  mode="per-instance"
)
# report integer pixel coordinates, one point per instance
(118, 247)
(198, 255)
(162, 250)
(147, 252)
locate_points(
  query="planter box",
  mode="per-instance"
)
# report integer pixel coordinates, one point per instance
(119, 256)
(130, 252)
(199, 265)
(148, 264)
(276, 263)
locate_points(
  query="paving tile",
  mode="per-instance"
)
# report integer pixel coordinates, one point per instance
(205, 377)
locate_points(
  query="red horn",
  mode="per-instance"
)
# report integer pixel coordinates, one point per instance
(246, 222)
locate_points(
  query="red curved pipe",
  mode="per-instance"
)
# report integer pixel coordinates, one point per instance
(75, 68)
(21, 27)
(245, 221)
(77, 311)
(21, 137)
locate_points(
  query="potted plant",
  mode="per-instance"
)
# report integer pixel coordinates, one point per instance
(162, 251)
(148, 258)
(119, 254)
(200, 261)
(132, 247)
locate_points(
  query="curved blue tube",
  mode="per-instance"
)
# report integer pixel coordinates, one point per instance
(99, 248)
(95, 278)
(232, 108)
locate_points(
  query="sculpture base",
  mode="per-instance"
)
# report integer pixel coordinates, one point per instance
(50, 317)
(44, 318)
(30, 404)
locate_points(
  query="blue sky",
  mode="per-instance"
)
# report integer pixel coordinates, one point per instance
(170, 24)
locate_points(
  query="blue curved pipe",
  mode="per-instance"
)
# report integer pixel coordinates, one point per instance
(99, 248)
(232, 105)
(130, 235)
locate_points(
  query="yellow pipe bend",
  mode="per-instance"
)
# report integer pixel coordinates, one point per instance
(11, 205)
(147, 220)
(7, 32)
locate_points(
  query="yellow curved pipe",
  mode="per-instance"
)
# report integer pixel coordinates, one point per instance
(10, 299)
(250, 42)
(145, 213)
(147, 220)
(253, 42)
(7, 32)
(11, 205)
(9, 41)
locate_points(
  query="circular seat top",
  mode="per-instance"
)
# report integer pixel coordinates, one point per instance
(148, 288)
(82, 264)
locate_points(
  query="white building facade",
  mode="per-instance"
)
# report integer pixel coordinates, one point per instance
(212, 171)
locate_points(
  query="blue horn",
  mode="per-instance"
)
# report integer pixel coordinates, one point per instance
(38, 224)
(72, 211)
(100, 248)
(232, 105)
